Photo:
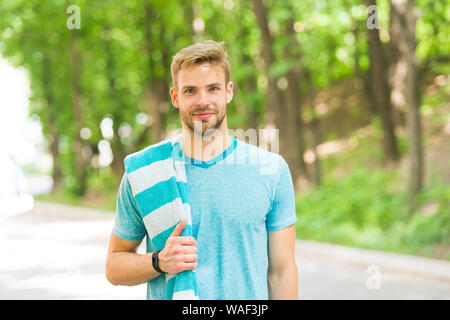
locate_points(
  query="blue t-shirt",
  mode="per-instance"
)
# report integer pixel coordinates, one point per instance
(235, 199)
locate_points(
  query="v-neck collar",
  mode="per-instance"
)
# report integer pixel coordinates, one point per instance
(211, 162)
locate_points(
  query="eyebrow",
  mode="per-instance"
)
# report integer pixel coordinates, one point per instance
(215, 84)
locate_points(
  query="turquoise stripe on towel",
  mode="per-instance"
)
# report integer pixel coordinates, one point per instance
(160, 194)
(147, 156)
(182, 282)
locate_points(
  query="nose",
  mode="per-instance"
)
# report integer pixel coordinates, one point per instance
(202, 98)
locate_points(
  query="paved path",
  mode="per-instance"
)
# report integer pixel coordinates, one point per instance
(58, 252)
(337, 272)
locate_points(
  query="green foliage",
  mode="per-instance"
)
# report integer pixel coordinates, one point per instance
(366, 209)
(358, 200)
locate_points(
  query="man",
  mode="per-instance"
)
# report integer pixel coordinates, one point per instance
(242, 216)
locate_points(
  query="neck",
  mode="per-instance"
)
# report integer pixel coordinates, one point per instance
(205, 148)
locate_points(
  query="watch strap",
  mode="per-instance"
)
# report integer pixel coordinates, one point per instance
(155, 262)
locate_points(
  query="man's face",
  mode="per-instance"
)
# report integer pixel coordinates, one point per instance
(202, 97)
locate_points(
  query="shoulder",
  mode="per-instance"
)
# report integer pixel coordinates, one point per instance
(155, 152)
(269, 162)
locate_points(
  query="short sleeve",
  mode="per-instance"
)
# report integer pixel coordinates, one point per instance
(282, 213)
(128, 222)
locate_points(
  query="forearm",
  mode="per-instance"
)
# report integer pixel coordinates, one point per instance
(284, 283)
(129, 269)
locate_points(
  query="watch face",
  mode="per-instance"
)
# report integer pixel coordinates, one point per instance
(154, 260)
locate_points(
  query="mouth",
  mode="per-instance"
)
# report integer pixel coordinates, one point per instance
(203, 115)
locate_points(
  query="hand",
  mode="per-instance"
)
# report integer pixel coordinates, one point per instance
(180, 253)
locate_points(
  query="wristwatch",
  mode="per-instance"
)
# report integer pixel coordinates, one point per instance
(155, 262)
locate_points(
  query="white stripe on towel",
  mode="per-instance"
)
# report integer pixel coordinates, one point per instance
(164, 217)
(146, 177)
(185, 295)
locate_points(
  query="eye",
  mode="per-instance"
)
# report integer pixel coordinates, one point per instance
(189, 90)
(214, 89)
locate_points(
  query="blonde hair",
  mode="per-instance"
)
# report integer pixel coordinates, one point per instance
(198, 53)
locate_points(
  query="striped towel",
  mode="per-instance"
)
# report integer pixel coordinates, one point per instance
(158, 182)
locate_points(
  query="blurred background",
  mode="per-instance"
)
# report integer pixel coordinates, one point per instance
(361, 98)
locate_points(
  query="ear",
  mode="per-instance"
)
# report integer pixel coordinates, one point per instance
(174, 95)
(229, 91)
